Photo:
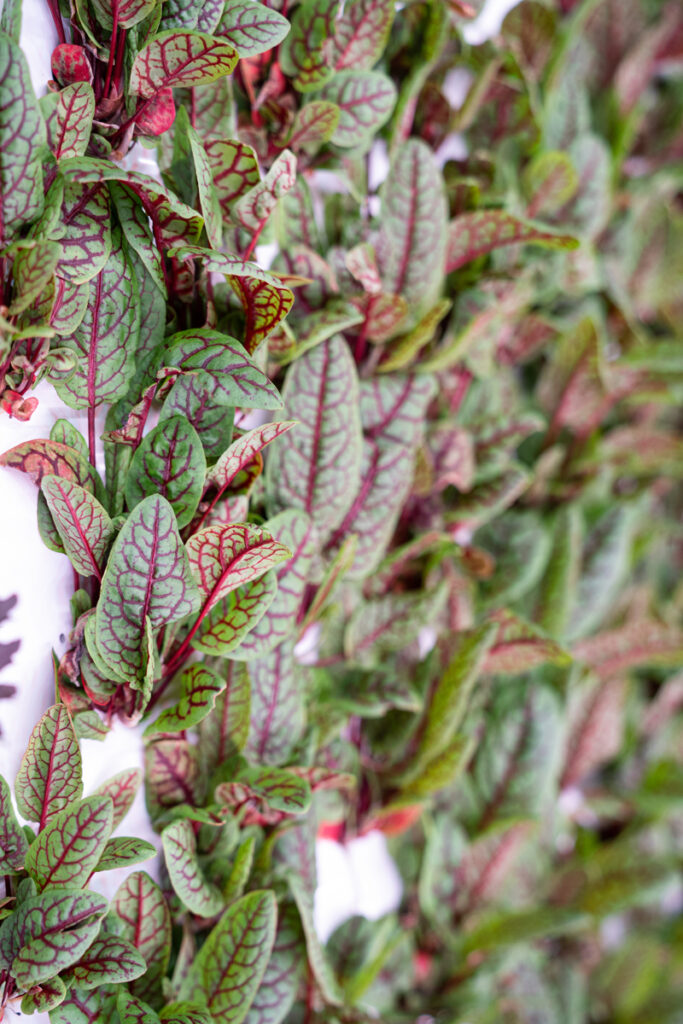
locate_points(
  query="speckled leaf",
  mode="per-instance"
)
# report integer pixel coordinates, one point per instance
(475, 234)
(234, 168)
(224, 732)
(253, 208)
(178, 57)
(69, 847)
(319, 464)
(147, 576)
(277, 708)
(315, 123)
(109, 960)
(276, 788)
(452, 695)
(365, 100)
(392, 413)
(121, 788)
(140, 906)
(49, 932)
(223, 365)
(231, 621)
(83, 524)
(296, 531)
(50, 774)
(124, 851)
(230, 965)
(22, 137)
(170, 461)
(198, 894)
(304, 54)
(251, 27)
(280, 984)
(414, 226)
(361, 33)
(13, 842)
(106, 339)
(70, 121)
(226, 557)
(199, 688)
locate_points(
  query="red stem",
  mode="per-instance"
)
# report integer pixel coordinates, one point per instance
(255, 237)
(112, 51)
(57, 18)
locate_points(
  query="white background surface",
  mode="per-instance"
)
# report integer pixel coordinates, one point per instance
(356, 878)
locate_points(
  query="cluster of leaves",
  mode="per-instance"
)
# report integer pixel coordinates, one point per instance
(468, 383)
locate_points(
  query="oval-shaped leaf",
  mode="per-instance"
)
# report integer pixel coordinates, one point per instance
(229, 622)
(170, 461)
(251, 27)
(140, 906)
(277, 705)
(361, 33)
(198, 894)
(50, 775)
(223, 364)
(13, 841)
(22, 138)
(365, 100)
(177, 57)
(109, 960)
(67, 850)
(199, 688)
(70, 122)
(82, 522)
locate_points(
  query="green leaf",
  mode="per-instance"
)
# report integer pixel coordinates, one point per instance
(558, 587)
(122, 789)
(390, 623)
(605, 563)
(44, 997)
(185, 1013)
(365, 100)
(33, 270)
(414, 226)
(122, 851)
(304, 54)
(170, 461)
(315, 123)
(147, 577)
(254, 207)
(133, 1010)
(199, 688)
(106, 339)
(198, 894)
(22, 138)
(234, 168)
(275, 788)
(69, 123)
(83, 524)
(49, 932)
(319, 465)
(146, 923)
(317, 958)
(296, 531)
(452, 696)
(82, 227)
(13, 842)
(550, 181)
(109, 960)
(361, 33)
(277, 706)
(41, 458)
(221, 364)
(224, 732)
(475, 234)
(226, 557)
(130, 12)
(208, 196)
(228, 625)
(49, 779)
(229, 967)
(520, 646)
(178, 57)
(251, 27)
(67, 850)
(280, 984)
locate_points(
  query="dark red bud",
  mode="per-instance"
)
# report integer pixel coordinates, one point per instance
(70, 64)
(158, 114)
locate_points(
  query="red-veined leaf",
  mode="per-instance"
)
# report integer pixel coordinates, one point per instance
(224, 732)
(277, 708)
(82, 522)
(173, 774)
(266, 789)
(305, 53)
(229, 622)
(124, 851)
(199, 688)
(315, 123)
(280, 984)
(67, 850)
(109, 960)
(234, 168)
(70, 121)
(177, 57)
(127, 12)
(22, 138)
(265, 306)
(50, 775)
(254, 207)
(198, 894)
(13, 842)
(251, 27)
(638, 643)
(475, 234)
(170, 461)
(520, 646)
(121, 788)
(361, 33)
(365, 100)
(595, 727)
(140, 906)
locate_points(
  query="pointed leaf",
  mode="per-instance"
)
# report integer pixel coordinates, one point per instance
(390, 623)
(280, 984)
(132, 1010)
(226, 557)
(199, 688)
(234, 168)
(129, 12)
(42, 458)
(296, 531)
(22, 137)
(253, 208)
(414, 221)
(50, 775)
(275, 789)
(140, 905)
(106, 338)
(192, 397)
(361, 33)
(13, 842)
(70, 122)
(178, 57)
(109, 960)
(123, 851)
(520, 646)
(265, 306)
(320, 965)
(319, 464)
(230, 965)
(33, 270)
(170, 461)
(475, 234)
(365, 100)
(121, 788)
(251, 27)
(230, 622)
(147, 576)
(208, 196)
(314, 124)
(237, 458)
(82, 522)
(83, 229)
(69, 847)
(277, 709)
(221, 362)
(187, 878)
(173, 774)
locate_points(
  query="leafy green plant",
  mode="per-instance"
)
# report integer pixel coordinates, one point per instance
(437, 440)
